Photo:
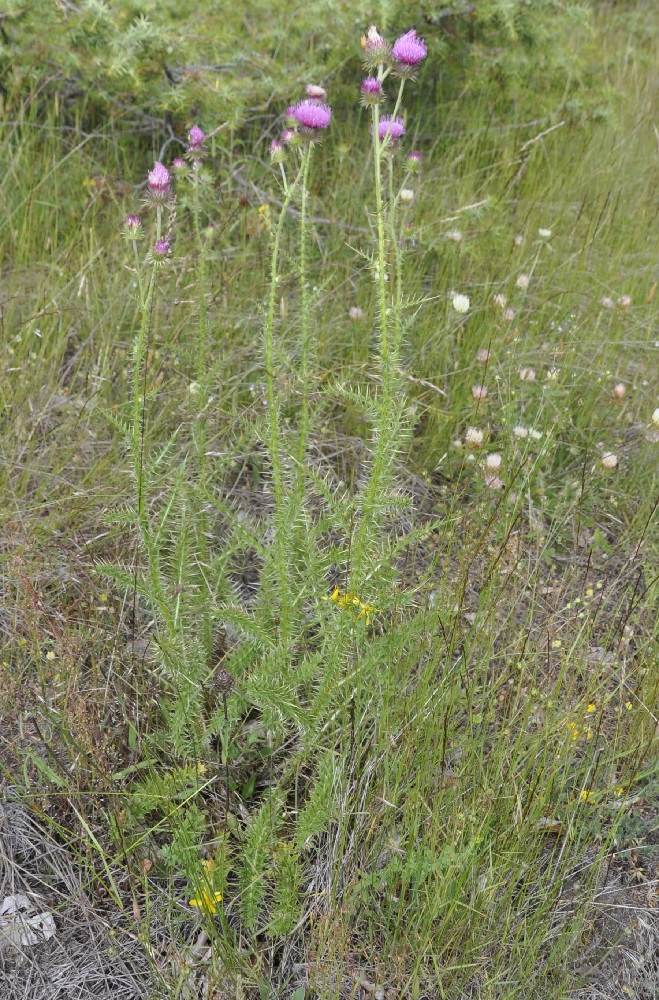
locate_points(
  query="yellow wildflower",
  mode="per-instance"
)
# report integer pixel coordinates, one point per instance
(350, 602)
(207, 901)
(591, 707)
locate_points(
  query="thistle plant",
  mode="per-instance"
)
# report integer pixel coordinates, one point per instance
(382, 61)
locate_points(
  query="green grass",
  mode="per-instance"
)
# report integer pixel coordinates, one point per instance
(428, 797)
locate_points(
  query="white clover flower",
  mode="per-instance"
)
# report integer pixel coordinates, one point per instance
(520, 432)
(460, 303)
(544, 233)
(619, 391)
(607, 303)
(193, 388)
(552, 374)
(454, 235)
(406, 195)
(535, 435)
(523, 281)
(500, 300)
(479, 391)
(473, 437)
(518, 240)
(493, 462)
(527, 374)
(482, 355)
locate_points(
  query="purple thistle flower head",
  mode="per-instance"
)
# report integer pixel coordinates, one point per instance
(390, 129)
(371, 91)
(158, 181)
(311, 115)
(195, 139)
(161, 248)
(133, 229)
(409, 50)
(316, 93)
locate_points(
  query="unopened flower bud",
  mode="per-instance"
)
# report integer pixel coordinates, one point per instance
(371, 91)
(133, 228)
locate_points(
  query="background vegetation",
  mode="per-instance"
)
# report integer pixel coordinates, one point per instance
(450, 787)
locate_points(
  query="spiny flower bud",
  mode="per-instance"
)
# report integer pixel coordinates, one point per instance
(376, 49)
(414, 161)
(133, 228)
(371, 91)
(277, 152)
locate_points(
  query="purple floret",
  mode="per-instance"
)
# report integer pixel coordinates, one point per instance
(311, 115)
(409, 50)
(195, 138)
(158, 180)
(392, 128)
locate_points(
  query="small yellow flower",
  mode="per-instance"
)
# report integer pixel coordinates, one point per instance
(350, 602)
(590, 592)
(592, 708)
(586, 795)
(50, 655)
(628, 706)
(207, 901)
(556, 644)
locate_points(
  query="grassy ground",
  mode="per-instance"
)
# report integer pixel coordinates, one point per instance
(456, 794)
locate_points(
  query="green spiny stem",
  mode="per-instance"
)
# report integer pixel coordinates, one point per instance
(304, 321)
(274, 430)
(384, 444)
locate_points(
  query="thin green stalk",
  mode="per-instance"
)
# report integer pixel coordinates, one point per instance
(384, 445)
(304, 321)
(274, 430)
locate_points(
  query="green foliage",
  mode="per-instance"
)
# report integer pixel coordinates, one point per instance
(184, 59)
